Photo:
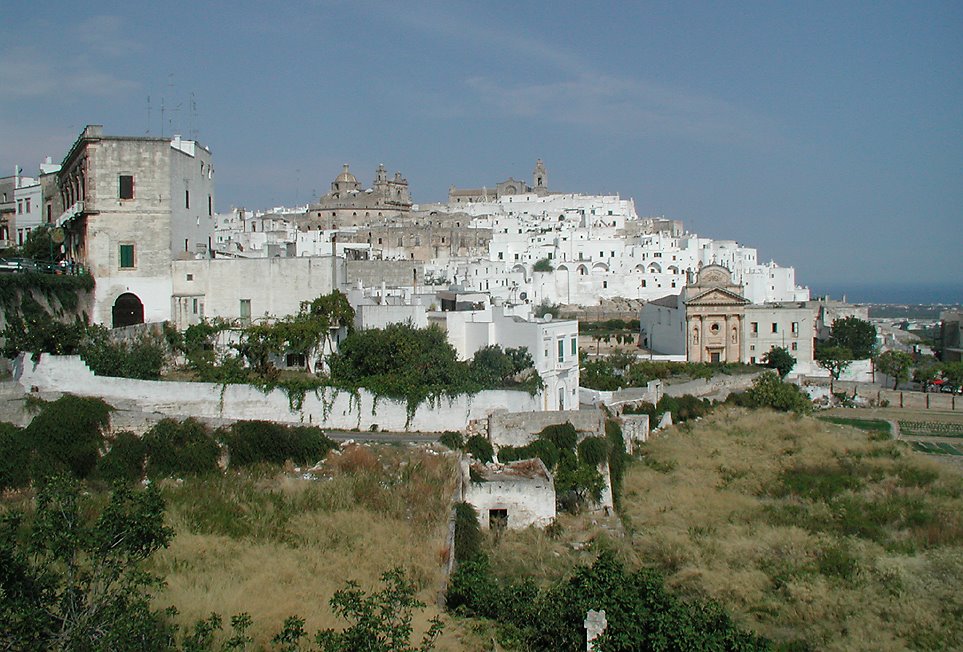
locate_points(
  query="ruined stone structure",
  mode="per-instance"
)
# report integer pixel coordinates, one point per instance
(514, 495)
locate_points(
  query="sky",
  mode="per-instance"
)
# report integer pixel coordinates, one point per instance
(828, 135)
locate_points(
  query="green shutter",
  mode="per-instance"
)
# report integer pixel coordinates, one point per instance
(126, 255)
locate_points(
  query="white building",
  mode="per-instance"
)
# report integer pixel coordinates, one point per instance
(515, 495)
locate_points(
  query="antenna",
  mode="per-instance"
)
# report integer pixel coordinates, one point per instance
(193, 109)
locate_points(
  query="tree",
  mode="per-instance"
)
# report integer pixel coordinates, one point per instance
(855, 334)
(895, 364)
(543, 265)
(380, 622)
(769, 391)
(926, 371)
(69, 581)
(835, 360)
(953, 372)
(780, 359)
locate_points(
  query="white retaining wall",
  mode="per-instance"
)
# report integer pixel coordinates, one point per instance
(329, 408)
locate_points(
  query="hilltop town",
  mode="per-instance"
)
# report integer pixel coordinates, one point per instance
(538, 351)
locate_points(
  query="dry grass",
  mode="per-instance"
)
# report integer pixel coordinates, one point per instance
(805, 530)
(275, 545)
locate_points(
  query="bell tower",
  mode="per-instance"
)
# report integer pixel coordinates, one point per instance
(539, 177)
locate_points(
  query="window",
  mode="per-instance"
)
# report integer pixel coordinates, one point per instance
(775, 327)
(755, 327)
(190, 277)
(794, 346)
(574, 346)
(501, 255)
(126, 256)
(210, 205)
(26, 205)
(497, 519)
(561, 350)
(187, 199)
(795, 328)
(19, 206)
(752, 361)
(195, 306)
(246, 309)
(126, 190)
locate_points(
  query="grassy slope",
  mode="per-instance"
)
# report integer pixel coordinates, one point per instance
(275, 545)
(805, 530)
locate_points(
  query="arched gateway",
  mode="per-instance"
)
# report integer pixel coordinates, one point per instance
(128, 310)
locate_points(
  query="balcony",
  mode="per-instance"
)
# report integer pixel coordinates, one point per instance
(76, 209)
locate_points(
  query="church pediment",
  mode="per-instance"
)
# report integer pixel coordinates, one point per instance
(717, 297)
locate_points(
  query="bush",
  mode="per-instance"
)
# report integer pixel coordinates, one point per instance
(618, 458)
(768, 390)
(15, 457)
(180, 448)
(593, 450)
(540, 448)
(67, 436)
(125, 459)
(452, 440)
(142, 358)
(253, 442)
(480, 448)
(684, 408)
(564, 436)
(468, 538)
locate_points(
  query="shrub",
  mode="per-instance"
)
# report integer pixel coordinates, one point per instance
(142, 358)
(593, 450)
(768, 390)
(618, 458)
(125, 459)
(180, 448)
(480, 448)
(468, 538)
(253, 442)
(452, 439)
(540, 448)
(15, 457)
(684, 408)
(564, 436)
(67, 436)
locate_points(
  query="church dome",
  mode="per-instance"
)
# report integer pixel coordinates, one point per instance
(346, 177)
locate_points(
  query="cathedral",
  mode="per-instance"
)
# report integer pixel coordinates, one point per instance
(348, 204)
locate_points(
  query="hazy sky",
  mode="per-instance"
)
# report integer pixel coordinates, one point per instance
(827, 135)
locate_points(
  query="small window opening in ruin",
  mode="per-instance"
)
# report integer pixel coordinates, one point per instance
(498, 519)
(295, 359)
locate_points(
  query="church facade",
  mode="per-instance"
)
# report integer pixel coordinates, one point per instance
(510, 186)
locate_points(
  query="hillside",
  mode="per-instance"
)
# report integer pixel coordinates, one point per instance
(806, 531)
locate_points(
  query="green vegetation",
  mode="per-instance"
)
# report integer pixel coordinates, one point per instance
(835, 360)
(417, 364)
(869, 425)
(641, 613)
(543, 265)
(931, 428)
(769, 391)
(780, 359)
(257, 442)
(855, 334)
(896, 365)
(683, 408)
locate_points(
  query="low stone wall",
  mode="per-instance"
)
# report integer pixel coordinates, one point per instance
(920, 400)
(718, 387)
(328, 408)
(651, 393)
(520, 428)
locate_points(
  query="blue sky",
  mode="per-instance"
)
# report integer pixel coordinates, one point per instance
(827, 135)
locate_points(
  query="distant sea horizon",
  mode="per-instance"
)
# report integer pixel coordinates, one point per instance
(950, 293)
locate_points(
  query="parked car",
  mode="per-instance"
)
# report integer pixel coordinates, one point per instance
(946, 388)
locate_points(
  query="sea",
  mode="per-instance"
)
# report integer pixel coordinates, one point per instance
(935, 294)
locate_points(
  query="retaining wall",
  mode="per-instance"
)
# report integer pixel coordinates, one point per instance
(328, 407)
(520, 428)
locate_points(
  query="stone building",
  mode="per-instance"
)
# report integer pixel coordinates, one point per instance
(348, 204)
(134, 205)
(514, 495)
(714, 312)
(711, 321)
(510, 186)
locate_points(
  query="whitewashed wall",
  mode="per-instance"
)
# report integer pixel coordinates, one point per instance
(329, 408)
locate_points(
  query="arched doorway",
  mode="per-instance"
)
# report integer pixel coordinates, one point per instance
(128, 310)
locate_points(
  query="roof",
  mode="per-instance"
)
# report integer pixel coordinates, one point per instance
(532, 469)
